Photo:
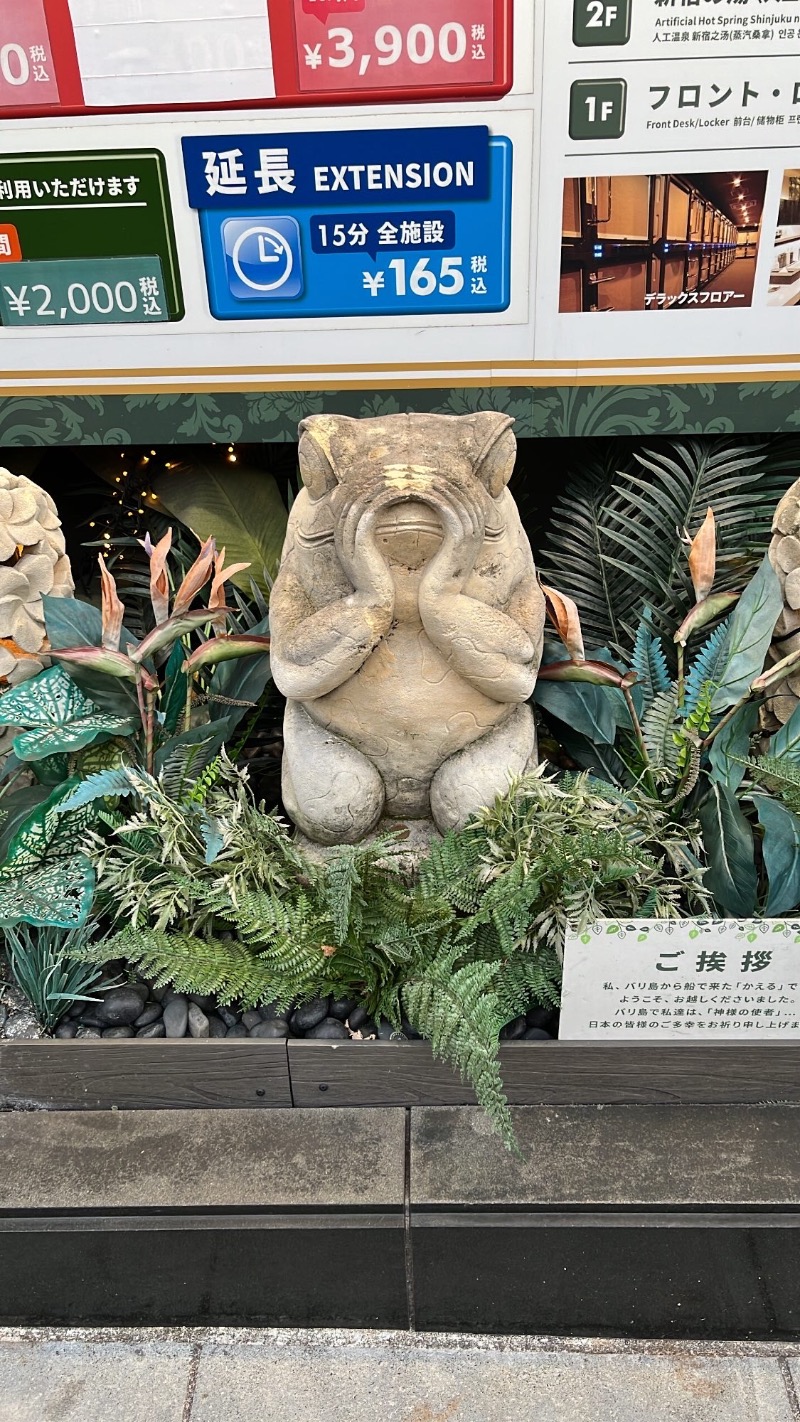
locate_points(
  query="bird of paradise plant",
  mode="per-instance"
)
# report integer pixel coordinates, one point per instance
(683, 744)
(150, 664)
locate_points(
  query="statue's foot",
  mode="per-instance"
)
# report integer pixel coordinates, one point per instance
(475, 776)
(413, 842)
(331, 791)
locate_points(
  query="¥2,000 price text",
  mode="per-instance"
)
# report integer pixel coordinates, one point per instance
(82, 291)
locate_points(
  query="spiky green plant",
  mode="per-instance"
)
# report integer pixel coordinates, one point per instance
(212, 895)
(44, 963)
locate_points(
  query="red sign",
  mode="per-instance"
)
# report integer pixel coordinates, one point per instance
(408, 50)
(58, 56)
(27, 72)
(10, 250)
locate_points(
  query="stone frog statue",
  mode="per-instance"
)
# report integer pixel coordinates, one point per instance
(406, 624)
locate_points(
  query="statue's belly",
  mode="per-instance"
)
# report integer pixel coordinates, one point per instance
(408, 711)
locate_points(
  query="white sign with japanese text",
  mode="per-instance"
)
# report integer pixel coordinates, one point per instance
(718, 980)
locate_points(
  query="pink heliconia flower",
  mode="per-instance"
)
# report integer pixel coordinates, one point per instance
(159, 581)
(113, 609)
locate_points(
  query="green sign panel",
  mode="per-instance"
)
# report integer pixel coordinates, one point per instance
(597, 108)
(85, 292)
(601, 22)
(78, 211)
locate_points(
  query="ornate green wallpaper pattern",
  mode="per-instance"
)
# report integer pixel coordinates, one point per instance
(723, 408)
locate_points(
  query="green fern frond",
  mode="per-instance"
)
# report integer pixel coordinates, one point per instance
(649, 662)
(457, 1010)
(451, 872)
(528, 978)
(708, 664)
(205, 782)
(658, 730)
(228, 969)
(780, 775)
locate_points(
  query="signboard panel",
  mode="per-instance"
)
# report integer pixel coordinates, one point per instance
(671, 129)
(643, 168)
(73, 212)
(679, 980)
(87, 55)
(27, 62)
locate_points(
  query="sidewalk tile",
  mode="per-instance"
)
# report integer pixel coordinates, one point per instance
(90, 1382)
(308, 1384)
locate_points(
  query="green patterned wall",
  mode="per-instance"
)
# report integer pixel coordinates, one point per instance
(723, 408)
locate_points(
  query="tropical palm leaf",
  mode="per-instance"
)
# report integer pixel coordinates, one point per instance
(616, 546)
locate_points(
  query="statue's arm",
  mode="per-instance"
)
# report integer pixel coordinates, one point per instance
(315, 650)
(497, 650)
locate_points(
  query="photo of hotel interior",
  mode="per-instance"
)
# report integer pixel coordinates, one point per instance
(784, 277)
(666, 241)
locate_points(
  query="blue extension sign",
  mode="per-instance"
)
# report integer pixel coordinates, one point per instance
(359, 223)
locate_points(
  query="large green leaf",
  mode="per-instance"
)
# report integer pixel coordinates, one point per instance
(600, 759)
(44, 880)
(781, 849)
(786, 741)
(57, 894)
(751, 628)
(71, 623)
(56, 716)
(15, 809)
(594, 711)
(240, 681)
(731, 747)
(173, 702)
(241, 508)
(48, 833)
(728, 840)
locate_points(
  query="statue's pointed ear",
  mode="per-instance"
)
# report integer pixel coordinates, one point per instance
(495, 450)
(317, 464)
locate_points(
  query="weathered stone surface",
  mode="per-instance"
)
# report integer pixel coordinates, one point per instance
(481, 1384)
(78, 1380)
(406, 624)
(610, 1155)
(93, 1159)
(198, 1022)
(295, 1375)
(784, 554)
(176, 1016)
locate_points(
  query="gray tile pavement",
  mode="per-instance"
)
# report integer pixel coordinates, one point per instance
(59, 1380)
(194, 1375)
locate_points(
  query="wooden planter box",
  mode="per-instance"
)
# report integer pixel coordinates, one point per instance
(128, 1075)
(658, 1193)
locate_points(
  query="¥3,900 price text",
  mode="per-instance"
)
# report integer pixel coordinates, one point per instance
(420, 44)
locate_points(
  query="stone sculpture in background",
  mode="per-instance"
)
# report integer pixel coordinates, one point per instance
(406, 624)
(33, 563)
(784, 555)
